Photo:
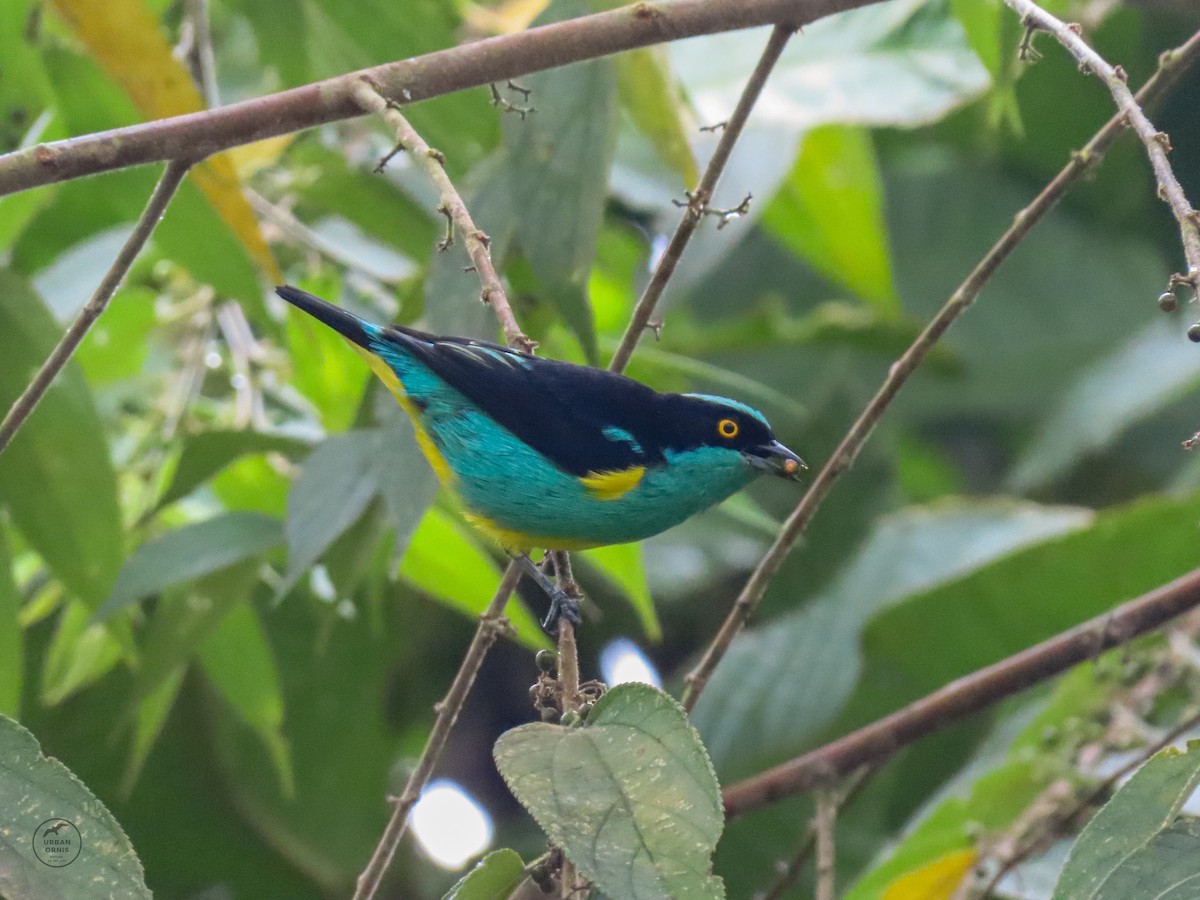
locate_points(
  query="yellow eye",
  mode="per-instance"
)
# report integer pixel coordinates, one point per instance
(727, 428)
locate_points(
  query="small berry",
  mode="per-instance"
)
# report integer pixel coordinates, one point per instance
(547, 661)
(1166, 301)
(1194, 333)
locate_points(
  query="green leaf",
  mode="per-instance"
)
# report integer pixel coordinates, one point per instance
(829, 211)
(207, 453)
(117, 345)
(191, 552)
(56, 477)
(1007, 773)
(153, 708)
(1137, 814)
(1155, 368)
(325, 369)
(327, 184)
(444, 561)
(785, 682)
(631, 797)
(651, 96)
(622, 564)
(81, 652)
(36, 792)
(238, 661)
(331, 493)
(1059, 582)
(557, 167)
(493, 878)
(12, 660)
(1165, 868)
(406, 481)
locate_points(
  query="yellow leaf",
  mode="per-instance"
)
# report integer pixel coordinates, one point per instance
(124, 38)
(506, 18)
(937, 880)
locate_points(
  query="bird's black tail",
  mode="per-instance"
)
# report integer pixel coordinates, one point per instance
(346, 324)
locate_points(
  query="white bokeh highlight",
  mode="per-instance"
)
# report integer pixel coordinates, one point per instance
(622, 661)
(450, 827)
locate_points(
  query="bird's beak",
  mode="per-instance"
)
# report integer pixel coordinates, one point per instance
(776, 459)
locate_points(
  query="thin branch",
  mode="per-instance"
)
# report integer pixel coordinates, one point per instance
(568, 679)
(201, 60)
(789, 873)
(171, 178)
(491, 625)
(826, 821)
(969, 694)
(698, 199)
(1171, 66)
(1157, 144)
(433, 164)
(408, 81)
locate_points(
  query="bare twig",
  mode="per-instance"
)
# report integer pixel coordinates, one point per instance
(491, 625)
(201, 60)
(789, 872)
(568, 679)
(1171, 66)
(432, 163)
(1157, 144)
(507, 105)
(969, 694)
(171, 178)
(411, 80)
(826, 820)
(698, 199)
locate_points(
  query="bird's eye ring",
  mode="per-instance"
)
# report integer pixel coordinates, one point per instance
(727, 428)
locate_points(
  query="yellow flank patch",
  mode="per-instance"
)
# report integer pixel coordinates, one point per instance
(441, 468)
(518, 541)
(613, 485)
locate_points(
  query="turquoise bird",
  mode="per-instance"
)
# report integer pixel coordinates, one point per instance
(546, 454)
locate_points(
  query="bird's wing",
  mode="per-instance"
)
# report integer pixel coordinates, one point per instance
(584, 420)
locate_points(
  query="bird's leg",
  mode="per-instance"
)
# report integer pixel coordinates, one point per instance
(563, 603)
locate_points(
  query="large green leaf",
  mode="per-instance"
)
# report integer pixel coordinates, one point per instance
(36, 794)
(830, 212)
(1157, 366)
(191, 552)
(238, 660)
(1165, 868)
(80, 653)
(207, 453)
(653, 100)
(631, 796)
(622, 563)
(56, 478)
(444, 561)
(557, 166)
(1020, 600)
(1102, 863)
(786, 681)
(331, 493)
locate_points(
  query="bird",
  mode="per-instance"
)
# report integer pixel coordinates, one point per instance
(545, 454)
(53, 829)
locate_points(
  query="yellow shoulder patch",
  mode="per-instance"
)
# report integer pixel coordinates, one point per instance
(613, 485)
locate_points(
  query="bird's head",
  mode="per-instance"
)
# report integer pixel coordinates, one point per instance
(703, 420)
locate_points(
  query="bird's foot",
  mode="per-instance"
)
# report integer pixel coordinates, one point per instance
(562, 606)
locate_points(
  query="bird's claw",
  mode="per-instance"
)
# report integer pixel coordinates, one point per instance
(562, 606)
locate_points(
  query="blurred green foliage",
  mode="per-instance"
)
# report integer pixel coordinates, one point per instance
(229, 587)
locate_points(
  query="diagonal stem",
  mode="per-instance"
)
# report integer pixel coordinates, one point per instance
(693, 212)
(1171, 66)
(877, 741)
(1156, 142)
(491, 625)
(167, 185)
(433, 164)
